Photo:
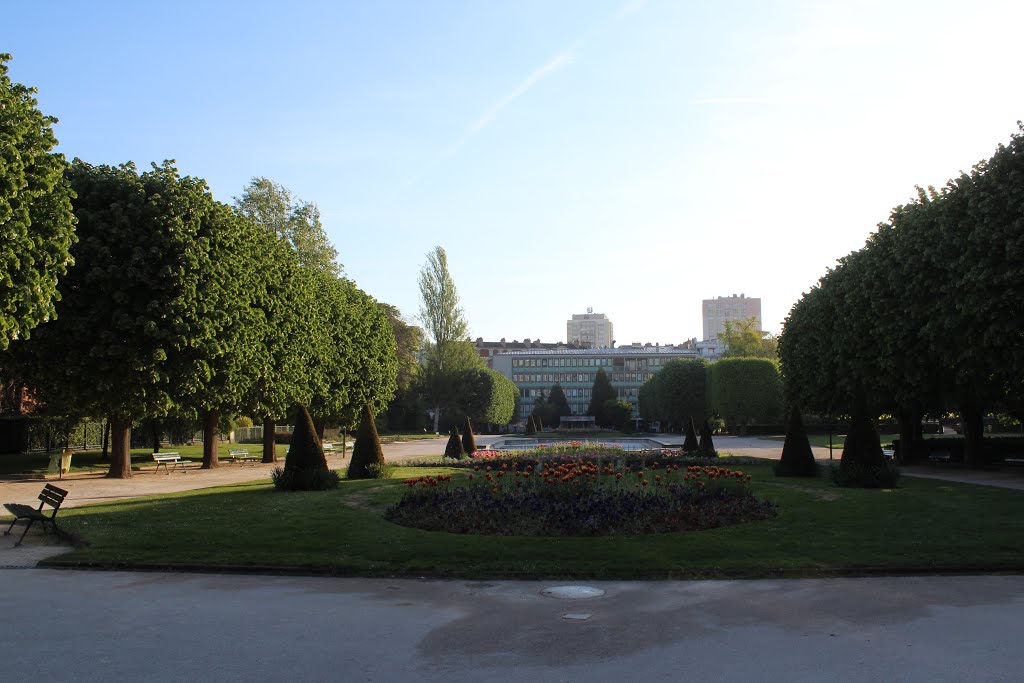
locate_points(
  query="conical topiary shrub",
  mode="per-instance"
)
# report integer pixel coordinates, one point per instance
(454, 448)
(468, 441)
(531, 426)
(862, 463)
(797, 457)
(367, 455)
(305, 467)
(707, 446)
(690, 444)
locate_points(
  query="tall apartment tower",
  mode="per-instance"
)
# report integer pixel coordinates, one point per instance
(591, 327)
(716, 311)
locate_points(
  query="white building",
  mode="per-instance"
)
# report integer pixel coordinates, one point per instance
(720, 309)
(590, 328)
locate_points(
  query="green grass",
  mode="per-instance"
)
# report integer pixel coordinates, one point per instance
(92, 461)
(926, 525)
(398, 437)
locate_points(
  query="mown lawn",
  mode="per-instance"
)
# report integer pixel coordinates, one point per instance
(925, 525)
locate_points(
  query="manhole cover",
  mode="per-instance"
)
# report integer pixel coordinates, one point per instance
(573, 592)
(576, 616)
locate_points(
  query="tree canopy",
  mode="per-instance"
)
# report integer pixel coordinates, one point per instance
(675, 394)
(449, 353)
(36, 220)
(743, 340)
(135, 330)
(745, 390)
(924, 317)
(273, 207)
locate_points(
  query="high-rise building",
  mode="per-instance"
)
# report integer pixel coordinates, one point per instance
(590, 328)
(716, 311)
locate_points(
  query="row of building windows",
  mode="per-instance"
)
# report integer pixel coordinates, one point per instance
(627, 363)
(569, 393)
(560, 362)
(588, 377)
(531, 394)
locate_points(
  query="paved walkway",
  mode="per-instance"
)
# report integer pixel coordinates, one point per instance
(115, 626)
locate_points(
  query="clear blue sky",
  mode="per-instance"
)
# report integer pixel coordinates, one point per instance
(631, 156)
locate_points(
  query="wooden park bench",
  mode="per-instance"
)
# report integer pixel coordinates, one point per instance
(242, 455)
(50, 495)
(329, 447)
(169, 458)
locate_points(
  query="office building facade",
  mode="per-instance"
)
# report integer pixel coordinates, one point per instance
(592, 329)
(715, 312)
(535, 371)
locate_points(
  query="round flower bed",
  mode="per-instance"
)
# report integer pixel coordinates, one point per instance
(579, 498)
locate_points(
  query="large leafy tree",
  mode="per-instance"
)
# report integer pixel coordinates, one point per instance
(405, 409)
(357, 367)
(370, 363)
(295, 333)
(489, 397)
(132, 311)
(744, 390)
(36, 221)
(273, 206)
(923, 318)
(235, 289)
(449, 353)
(743, 340)
(675, 394)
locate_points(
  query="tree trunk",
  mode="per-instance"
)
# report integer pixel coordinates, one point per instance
(910, 426)
(437, 417)
(974, 455)
(106, 438)
(120, 449)
(154, 427)
(211, 418)
(269, 442)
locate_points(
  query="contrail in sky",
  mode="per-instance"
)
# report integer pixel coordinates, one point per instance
(560, 60)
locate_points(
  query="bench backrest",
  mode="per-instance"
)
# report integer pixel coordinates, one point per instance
(52, 496)
(166, 456)
(238, 451)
